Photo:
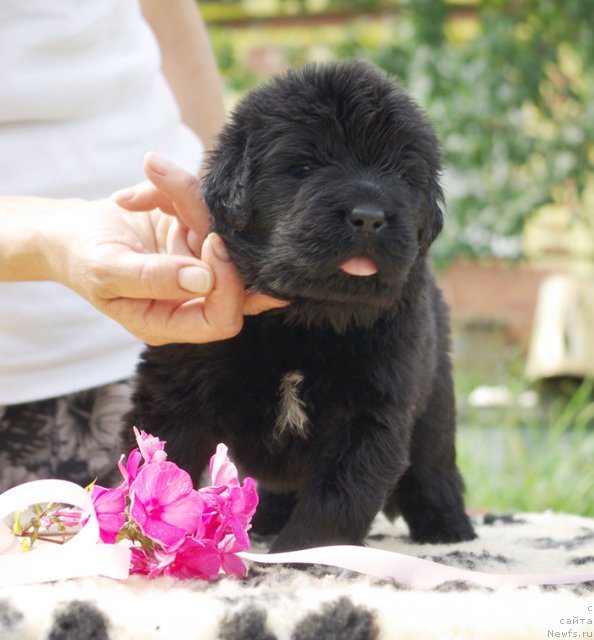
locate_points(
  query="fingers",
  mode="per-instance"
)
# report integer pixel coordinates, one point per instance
(171, 189)
(154, 276)
(217, 317)
(144, 197)
(164, 299)
(182, 188)
(223, 308)
(255, 303)
(229, 293)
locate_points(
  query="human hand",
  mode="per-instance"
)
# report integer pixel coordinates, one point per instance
(174, 191)
(139, 269)
(178, 193)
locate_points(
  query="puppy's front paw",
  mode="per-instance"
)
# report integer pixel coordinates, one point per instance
(306, 538)
(431, 531)
(273, 512)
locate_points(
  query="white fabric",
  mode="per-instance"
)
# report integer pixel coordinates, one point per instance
(85, 555)
(82, 100)
(82, 555)
(282, 602)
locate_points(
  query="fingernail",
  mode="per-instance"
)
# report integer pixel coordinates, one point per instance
(219, 248)
(195, 279)
(158, 163)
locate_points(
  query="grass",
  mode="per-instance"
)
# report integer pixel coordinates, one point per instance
(530, 459)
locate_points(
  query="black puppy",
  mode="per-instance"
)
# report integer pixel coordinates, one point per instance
(325, 189)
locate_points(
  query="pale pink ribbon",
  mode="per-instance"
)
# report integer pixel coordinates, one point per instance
(84, 555)
(408, 570)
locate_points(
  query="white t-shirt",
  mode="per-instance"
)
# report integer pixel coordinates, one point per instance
(82, 100)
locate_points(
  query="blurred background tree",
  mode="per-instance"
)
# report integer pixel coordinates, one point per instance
(508, 84)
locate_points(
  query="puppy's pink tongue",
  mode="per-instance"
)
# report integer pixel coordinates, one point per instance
(359, 266)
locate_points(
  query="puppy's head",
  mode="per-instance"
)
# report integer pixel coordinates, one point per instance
(324, 186)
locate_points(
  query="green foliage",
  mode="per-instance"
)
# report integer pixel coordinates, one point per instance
(531, 460)
(232, 69)
(514, 107)
(334, 5)
(512, 100)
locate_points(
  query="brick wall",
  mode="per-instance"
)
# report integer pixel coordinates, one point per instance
(493, 292)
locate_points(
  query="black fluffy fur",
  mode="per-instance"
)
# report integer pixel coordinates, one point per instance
(299, 155)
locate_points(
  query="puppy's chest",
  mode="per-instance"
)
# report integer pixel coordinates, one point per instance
(291, 416)
(295, 384)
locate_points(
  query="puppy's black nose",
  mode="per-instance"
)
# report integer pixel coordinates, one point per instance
(367, 218)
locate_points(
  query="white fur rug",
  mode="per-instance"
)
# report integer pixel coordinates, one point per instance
(277, 602)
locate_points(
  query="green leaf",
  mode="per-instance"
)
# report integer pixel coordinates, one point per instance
(17, 528)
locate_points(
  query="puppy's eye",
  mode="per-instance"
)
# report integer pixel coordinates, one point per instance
(299, 171)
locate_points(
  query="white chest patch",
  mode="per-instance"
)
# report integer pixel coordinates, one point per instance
(291, 417)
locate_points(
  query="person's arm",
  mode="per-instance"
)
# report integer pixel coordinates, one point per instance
(136, 268)
(22, 256)
(188, 64)
(62, 239)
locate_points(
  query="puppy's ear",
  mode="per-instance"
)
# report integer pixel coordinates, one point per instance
(433, 216)
(225, 183)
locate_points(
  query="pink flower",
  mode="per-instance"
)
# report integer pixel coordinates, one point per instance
(230, 563)
(172, 528)
(164, 503)
(229, 510)
(130, 471)
(151, 448)
(222, 470)
(71, 517)
(242, 505)
(150, 564)
(109, 505)
(192, 559)
(195, 559)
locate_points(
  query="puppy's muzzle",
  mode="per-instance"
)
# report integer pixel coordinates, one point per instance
(367, 218)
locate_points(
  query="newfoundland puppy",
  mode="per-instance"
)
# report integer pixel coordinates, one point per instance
(324, 187)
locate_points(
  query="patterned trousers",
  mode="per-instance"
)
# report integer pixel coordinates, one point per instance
(74, 437)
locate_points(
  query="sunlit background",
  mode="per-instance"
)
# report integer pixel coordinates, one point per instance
(509, 86)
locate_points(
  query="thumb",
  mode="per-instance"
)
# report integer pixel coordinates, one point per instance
(156, 277)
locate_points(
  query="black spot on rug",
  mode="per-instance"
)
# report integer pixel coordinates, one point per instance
(79, 621)
(247, 624)
(341, 619)
(10, 618)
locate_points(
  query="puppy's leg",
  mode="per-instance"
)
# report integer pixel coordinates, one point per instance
(430, 493)
(273, 512)
(346, 489)
(431, 503)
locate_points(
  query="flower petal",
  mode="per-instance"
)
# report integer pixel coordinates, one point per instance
(164, 504)
(161, 483)
(151, 448)
(184, 513)
(110, 505)
(130, 471)
(222, 470)
(196, 559)
(232, 565)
